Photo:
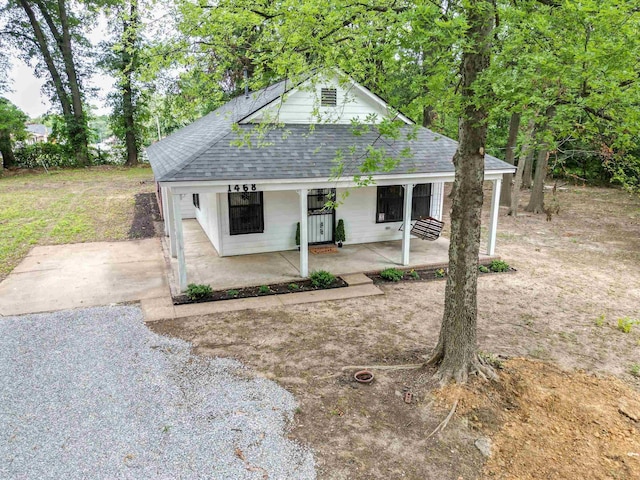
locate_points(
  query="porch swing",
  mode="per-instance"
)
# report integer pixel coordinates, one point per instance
(427, 228)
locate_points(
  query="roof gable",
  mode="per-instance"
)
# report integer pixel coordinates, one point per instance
(304, 105)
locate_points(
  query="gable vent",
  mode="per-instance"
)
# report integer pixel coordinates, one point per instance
(328, 97)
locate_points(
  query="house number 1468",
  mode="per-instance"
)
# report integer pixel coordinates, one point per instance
(242, 188)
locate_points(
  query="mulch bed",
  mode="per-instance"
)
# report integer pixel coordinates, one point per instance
(145, 214)
(424, 275)
(249, 292)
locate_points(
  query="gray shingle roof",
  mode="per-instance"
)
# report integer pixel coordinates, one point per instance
(208, 148)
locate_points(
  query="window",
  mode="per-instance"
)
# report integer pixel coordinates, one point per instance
(246, 214)
(328, 97)
(196, 200)
(391, 203)
(421, 201)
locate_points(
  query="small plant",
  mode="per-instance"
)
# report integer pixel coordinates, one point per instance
(232, 293)
(294, 286)
(483, 269)
(264, 289)
(298, 233)
(198, 291)
(440, 273)
(625, 324)
(600, 320)
(491, 359)
(413, 274)
(635, 370)
(340, 233)
(499, 266)
(322, 279)
(392, 274)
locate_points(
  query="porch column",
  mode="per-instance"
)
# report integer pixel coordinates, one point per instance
(170, 222)
(179, 242)
(493, 216)
(406, 230)
(304, 234)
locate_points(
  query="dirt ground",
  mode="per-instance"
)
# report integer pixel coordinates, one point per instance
(555, 415)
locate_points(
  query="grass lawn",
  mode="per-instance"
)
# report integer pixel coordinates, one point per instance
(66, 206)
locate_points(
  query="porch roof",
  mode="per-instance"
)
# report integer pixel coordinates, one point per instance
(300, 152)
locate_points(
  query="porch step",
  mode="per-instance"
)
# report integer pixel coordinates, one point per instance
(320, 249)
(354, 279)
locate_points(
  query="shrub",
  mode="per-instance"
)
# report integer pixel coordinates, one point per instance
(322, 279)
(294, 286)
(440, 273)
(413, 274)
(392, 274)
(232, 293)
(625, 324)
(198, 291)
(263, 289)
(483, 269)
(44, 154)
(498, 266)
(340, 233)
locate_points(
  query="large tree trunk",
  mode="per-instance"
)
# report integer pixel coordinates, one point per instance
(129, 57)
(43, 46)
(8, 158)
(527, 173)
(78, 131)
(427, 116)
(510, 154)
(525, 153)
(456, 352)
(536, 201)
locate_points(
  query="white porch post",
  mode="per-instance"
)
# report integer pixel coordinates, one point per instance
(304, 234)
(170, 221)
(179, 242)
(493, 217)
(406, 230)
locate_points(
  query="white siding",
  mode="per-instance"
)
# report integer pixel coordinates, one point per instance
(281, 214)
(186, 206)
(207, 216)
(359, 214)
(437, 199)
(303, 106)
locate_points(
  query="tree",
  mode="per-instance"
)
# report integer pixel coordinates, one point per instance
(12, 127)
(123, 62)
(456, 353)
(509, 157)
(49, 31)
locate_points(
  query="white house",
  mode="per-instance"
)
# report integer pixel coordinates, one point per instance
(249, 186)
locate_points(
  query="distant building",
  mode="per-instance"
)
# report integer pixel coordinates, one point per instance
(37, 133)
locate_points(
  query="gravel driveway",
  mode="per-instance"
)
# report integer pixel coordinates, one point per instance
(94, 394)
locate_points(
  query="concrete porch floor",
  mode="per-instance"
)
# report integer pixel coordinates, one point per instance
(205, 266)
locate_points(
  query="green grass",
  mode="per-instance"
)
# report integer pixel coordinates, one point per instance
(66, 206)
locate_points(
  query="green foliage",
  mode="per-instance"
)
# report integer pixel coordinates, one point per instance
(635, 370)
(264, 289)
(413, 274)
(499, 266)
(322, 279)
(599, 322)
(298, 233)
(392, 274)
(340, 233)
(293, 286)
(440, 273)
(12, 120)
(483, 269)
(49, 155)
(198, 291)
(232, 293)
(625, 324)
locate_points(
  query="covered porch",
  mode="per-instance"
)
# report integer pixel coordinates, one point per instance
(205, 266)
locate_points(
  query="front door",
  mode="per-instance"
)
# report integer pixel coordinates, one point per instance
(320, 219)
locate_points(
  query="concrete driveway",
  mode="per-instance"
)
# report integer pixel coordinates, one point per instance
(57, 277)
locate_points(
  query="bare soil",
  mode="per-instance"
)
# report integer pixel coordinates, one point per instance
(557, 414)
